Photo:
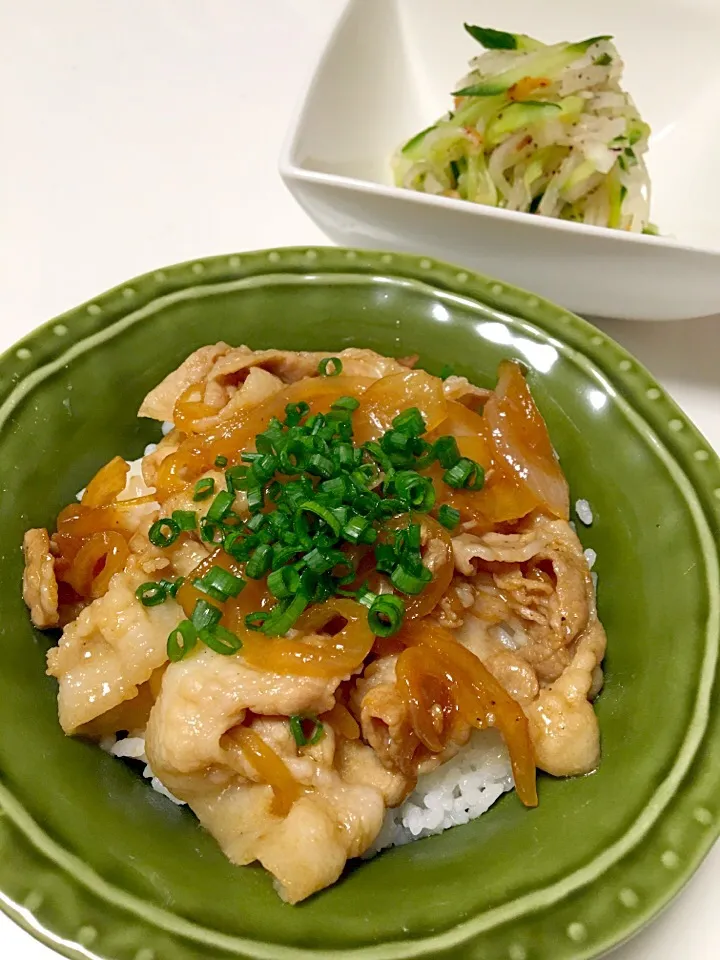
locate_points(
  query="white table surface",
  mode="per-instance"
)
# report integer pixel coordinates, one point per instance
(138, 133)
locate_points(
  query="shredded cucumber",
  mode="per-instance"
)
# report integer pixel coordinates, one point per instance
(539, 128)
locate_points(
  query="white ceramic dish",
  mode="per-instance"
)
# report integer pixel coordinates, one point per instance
(386, 73)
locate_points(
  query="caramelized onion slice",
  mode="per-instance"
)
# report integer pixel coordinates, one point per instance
(312, 653)
(392, 395)
(481, 700)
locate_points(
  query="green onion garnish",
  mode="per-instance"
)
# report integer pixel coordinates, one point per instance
(386, 614)
(221, 461)
(181, 641)
(325, 514)
(204, 488)
(283, 617)
(447, 371)
(418, 492)
(325, 370)
(409, 581)
(345, 404)
(446, 452)
(465, 473)
(219, 584)
(151, 593)
(255, 498)
(255, 621)
(283, 582)
(185, 519)
(301, 739)
(448, 516)
(259, 563)
(411, 422)
(210, 531)
(220, 507)
(366, 597)
(236, 478)
(205, 615)
(172, 586)
(163, 532)
(294, 413)
(221, 640)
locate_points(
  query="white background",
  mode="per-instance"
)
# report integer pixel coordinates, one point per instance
(138, 133)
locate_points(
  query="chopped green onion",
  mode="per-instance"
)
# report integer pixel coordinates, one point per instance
(264, 468)
(283, 616)
(256, 522)
(255, 621)
(221, 461)
(448, 516)
(386, 615)
(210, 531)
(255, 498)
(407, 582)
(385, 557)
(220, 507)
(204, 488)
(446, 452)
(379, 455)
(413, 536)
(366, 597)
(236, 478)
(356, 529)
(466, 473)
(281, 556)
(274, 491)
(325, 364)
(321, 561)
(395, 442)
(163, 532)
(301, 739)
(151, 593)
(185, 519)
(418, 492)
(172, 586)
(325, 514)
(236, 545)
(320, 466)
(294, 456)
(221, 581)
(220, 640)
(344, 456)
(181, 641)
(410, 422)
(338, 488)
(259, 563)
(294, 413)
(345, 403)
(205, 615)
(283, 582)
(447, 371)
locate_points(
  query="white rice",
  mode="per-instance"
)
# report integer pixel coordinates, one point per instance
(133, 748)
(584, 513)
(167, 426)
(150, 448)
(590, 557)
(457, 792)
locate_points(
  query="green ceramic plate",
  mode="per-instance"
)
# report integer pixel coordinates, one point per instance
(95, 864)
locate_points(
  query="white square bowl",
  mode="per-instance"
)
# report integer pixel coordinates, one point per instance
(386, 73)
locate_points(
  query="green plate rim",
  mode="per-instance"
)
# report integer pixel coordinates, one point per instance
(691, 802)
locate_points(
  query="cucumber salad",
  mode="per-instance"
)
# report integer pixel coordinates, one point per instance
(538, 128)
